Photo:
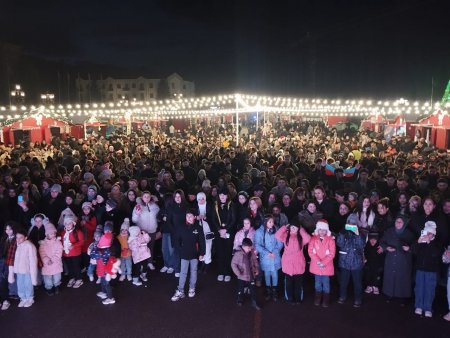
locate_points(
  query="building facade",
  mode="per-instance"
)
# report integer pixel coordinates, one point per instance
(140, 89)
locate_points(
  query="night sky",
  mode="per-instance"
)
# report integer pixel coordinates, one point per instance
(335, 48)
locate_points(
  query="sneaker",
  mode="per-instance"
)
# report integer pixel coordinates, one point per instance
(418, 311)
(129, 278)
(91, 278)
(6, 305)
(177, 274)
(137, 282)
(71, 283)
(22, 303)
(49, 292)
(170, 270)
(177, 296)
(341, 300)
(122, 278)
(220, 278)
(144, 277)
(102, 295)
(428, 314)
(164, 269)
(108, 301)
(376, 291)
(151, 266)
(77, 284)
(227, 278)
(368, 289)
(357, 304)
(446, 317)
(191, 293)
(28, 303)
(99, 280)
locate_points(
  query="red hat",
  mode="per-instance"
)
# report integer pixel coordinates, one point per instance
(105, 241)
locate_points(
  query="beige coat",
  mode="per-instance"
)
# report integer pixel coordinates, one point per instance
(26, 261)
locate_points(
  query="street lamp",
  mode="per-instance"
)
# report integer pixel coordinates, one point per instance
(48, 98)
(17, 95)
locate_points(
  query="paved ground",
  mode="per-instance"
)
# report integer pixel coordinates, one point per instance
(148, 311)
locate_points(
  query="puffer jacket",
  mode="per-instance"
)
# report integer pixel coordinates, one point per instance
(351, 250)
(50, 251)
(244, 264)
(322, 251)
(26, 261)
(139, 248)
(293, 260)
(147, 219)
(266, 243)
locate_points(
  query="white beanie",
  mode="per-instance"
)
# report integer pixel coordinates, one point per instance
(430, 228)
(322, 224)
(134, 233)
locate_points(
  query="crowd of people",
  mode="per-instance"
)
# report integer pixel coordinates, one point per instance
(297, 197)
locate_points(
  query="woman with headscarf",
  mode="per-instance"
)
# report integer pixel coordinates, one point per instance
(204, 217)
(396, 243)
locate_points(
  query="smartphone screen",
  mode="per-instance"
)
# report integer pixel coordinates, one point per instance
(20, 198)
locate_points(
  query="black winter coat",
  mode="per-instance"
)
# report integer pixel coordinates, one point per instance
(190, 241)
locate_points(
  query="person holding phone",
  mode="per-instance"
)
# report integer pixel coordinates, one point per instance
(351, 260)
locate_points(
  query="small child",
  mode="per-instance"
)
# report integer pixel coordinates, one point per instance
(322, 249)
(246, 267)
(8, 247)
(140, 252)
(428, 255)
(246, 232)
(92, 262)
(374, 264)
(102, 255)
(50, 251)
(72, 239)
(125, 253)
(25, 269)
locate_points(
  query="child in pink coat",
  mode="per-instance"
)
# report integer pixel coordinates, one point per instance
(293, 262)
(50, 251)
(137, 242)
(322, 250)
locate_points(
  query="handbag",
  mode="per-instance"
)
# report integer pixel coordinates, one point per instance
(209, 235)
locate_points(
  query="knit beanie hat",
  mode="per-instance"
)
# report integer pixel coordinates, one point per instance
(430, 228)
(108, 227)
(49, 229)
(105, 241)
(71, 219)
(126, 224)
(86, 205)
(93, 187)
(322, 224)
(352, 219)
(243, 193)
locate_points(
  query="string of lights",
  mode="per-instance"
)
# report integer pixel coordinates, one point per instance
(225, 104)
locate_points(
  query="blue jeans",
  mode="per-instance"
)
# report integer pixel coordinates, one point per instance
(106, 288)
(51, 281)
(271, 274)
(125, 265)
(425, 289)
(322, 283)
(185, 264)
(344, 280)
(176, 260)
(24, 286)
(91, 270)
(167, 250)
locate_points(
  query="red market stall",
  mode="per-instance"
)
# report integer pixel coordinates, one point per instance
(34, 129)
(434, 129)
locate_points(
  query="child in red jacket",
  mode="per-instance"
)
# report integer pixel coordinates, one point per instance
(322, 249)
(72, 239)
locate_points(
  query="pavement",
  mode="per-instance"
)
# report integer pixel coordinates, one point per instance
(148, 311)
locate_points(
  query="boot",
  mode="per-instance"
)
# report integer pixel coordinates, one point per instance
(255, 305)
(268, 294)
(326, 300)
(318, 298)
(57, 290)
(240, 299)
(274, 294)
